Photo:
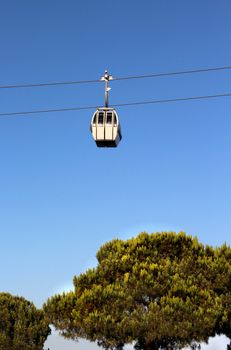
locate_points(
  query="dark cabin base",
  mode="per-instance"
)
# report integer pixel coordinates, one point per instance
(109, 144)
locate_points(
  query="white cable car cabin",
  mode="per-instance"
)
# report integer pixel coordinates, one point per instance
(105, 127)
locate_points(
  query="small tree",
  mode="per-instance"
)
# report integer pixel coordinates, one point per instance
(22, 326)
(160, 291)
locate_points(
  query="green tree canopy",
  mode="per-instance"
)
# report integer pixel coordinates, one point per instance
(22, 326)
(163, 290)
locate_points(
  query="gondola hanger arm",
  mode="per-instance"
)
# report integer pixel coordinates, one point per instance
(106, 78)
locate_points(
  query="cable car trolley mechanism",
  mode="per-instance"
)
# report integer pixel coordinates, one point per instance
(105, 126)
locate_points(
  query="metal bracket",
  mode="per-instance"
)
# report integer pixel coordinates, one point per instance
(106, 77)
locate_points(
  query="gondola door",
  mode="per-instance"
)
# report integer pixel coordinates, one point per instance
(109, 126)
(100, 126)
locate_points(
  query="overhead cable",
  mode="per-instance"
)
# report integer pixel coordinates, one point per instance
(48, 84)
(154, 75)
(181, 99)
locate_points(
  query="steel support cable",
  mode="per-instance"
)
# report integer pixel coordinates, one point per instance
(48, 84)
(181, 99)
(155, 75)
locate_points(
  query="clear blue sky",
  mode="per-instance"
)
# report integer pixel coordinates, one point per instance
(60, 196)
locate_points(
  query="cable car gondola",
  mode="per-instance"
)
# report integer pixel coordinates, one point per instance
(105, 126)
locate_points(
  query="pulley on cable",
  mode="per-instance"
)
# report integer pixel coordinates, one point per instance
(105, 126)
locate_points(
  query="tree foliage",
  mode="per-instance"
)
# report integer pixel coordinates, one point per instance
(161, 291)
(22, 326)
